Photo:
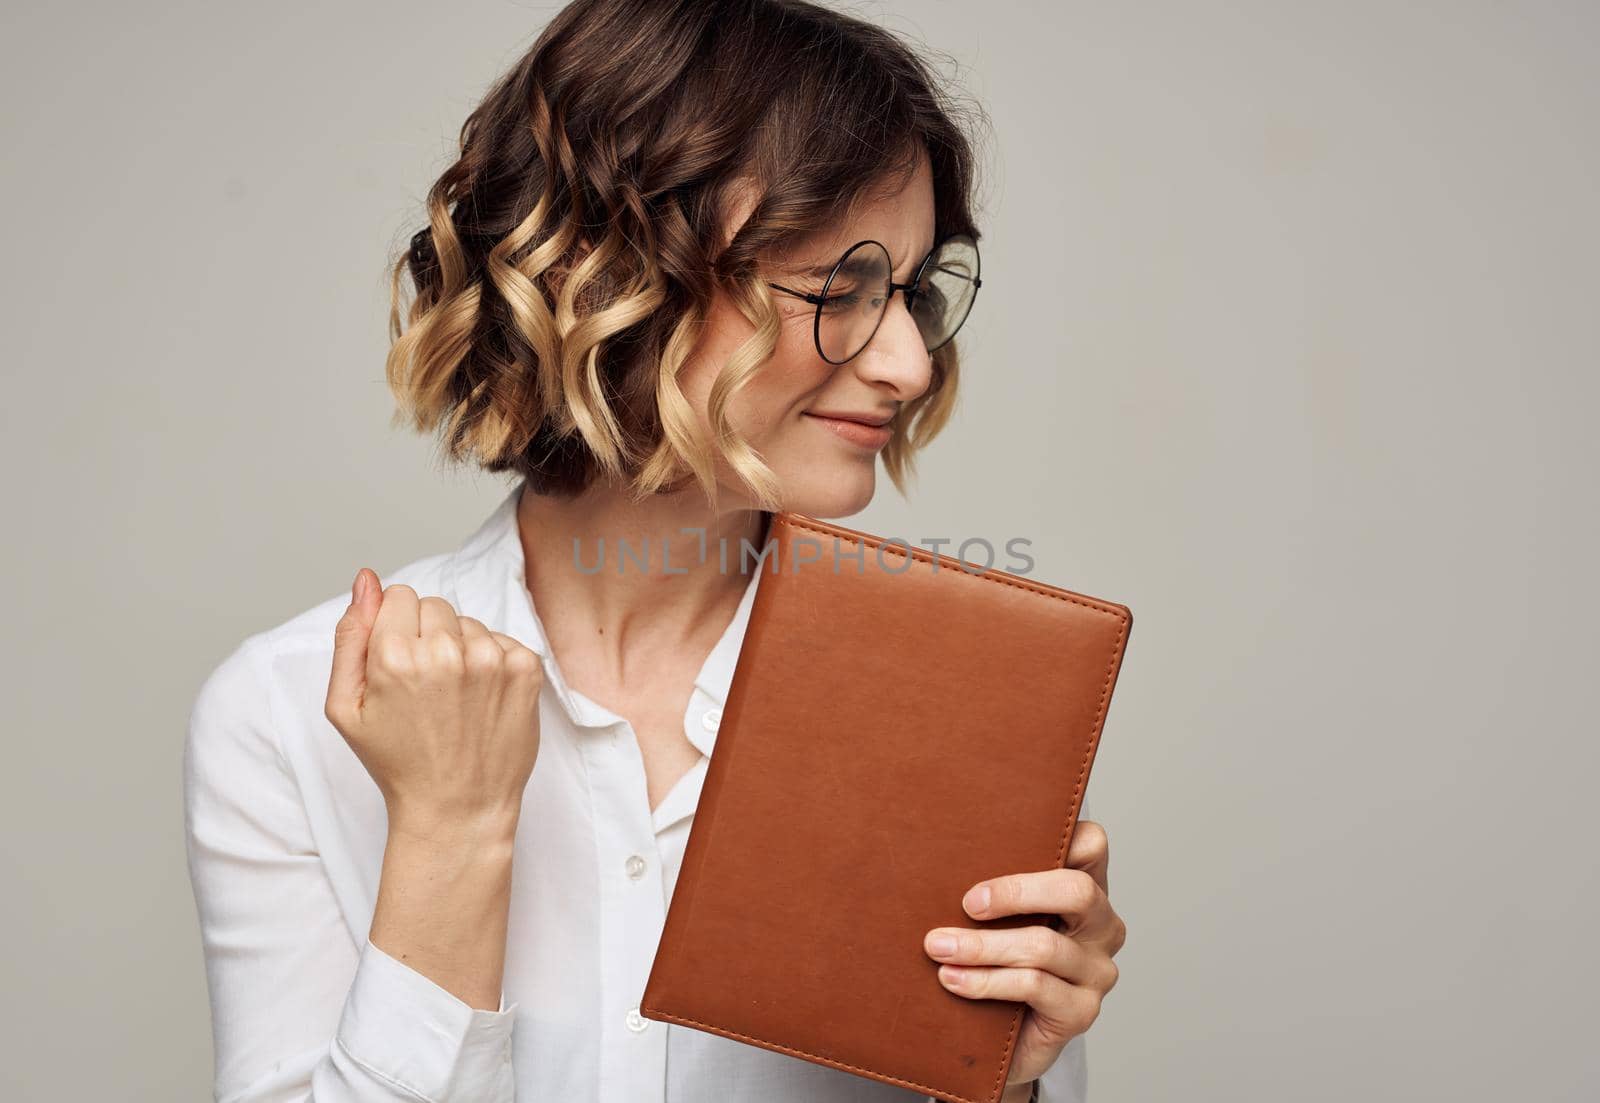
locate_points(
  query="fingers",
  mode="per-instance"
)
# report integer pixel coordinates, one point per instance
(367, 593)
(1071, 893)
(1061, 979)
(1035, 947)
(1090, 851)
(1061, 1011)
(522, 660)
(487, 651)
(348, 676)
(401, 612)
(474, 629)
(1005, 983)
(376, 611)
(435, 615)
(483, 652)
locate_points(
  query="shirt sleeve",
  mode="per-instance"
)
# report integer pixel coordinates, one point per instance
(1066, 1081)
(299, 1013)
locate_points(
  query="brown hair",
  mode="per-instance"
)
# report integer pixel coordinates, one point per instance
(573, 248)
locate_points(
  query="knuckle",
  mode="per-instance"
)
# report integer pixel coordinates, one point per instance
(1085, 1010)
(1093, 836)
(444, 654)
(436, 603)
(391, 654)
(1034, 983)
(1112, 975)
(1079, 886)
(1042, 945)
(975, 981)
(523, 662)
(1004, 892)
(483, 656)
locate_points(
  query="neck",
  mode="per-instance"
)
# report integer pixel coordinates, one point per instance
(671, 587)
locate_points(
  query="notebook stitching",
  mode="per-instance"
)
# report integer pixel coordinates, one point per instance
(1099, 721)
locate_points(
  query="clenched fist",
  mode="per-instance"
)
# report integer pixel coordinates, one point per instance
(441, 711)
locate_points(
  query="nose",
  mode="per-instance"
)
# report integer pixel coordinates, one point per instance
(897, 357)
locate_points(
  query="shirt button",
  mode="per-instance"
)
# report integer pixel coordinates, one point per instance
(711, 719)
(636, 1021)
(635, 866)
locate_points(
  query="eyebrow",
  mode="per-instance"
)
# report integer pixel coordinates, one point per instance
(821, 271)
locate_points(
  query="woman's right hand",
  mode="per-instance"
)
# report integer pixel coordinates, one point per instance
(442, 712)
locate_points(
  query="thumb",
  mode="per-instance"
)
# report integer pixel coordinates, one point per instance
(348, 679)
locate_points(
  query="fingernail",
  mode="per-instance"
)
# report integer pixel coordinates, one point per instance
(952, 974)
(942, 945)
(359, 586)
(978, 899)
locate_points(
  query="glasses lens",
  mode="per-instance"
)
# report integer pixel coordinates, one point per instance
(853, 302)
(949, 286)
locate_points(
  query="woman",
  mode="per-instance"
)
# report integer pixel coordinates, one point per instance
(698, 259)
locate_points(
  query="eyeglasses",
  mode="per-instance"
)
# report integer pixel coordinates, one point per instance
(854, 300)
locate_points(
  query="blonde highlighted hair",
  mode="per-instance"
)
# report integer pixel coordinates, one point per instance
(574, 247)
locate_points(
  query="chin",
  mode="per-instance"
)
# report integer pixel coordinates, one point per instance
(829, 494)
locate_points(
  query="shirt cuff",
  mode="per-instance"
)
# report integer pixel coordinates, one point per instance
(403, 1027)
(1067, 1079)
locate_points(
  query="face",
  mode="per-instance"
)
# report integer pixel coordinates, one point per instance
(812, 422)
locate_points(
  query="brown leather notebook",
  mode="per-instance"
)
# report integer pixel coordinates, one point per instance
(898, 728)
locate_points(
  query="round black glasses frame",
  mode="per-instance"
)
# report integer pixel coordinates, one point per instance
(908, 290)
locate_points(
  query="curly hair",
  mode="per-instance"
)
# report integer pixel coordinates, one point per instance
(573, 248)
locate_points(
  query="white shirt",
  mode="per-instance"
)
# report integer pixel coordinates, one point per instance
(285, 839)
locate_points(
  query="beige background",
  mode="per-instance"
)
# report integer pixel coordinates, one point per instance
(1289, 341)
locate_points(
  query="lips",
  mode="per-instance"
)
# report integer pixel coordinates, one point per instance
(864, 431)
(874, 420)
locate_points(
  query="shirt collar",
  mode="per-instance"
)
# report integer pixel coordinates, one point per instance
(486, 578)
